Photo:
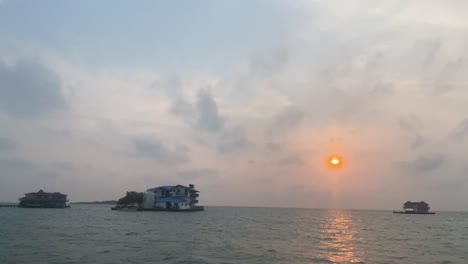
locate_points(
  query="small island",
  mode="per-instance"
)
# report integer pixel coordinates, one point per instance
(177, 198)
(131, 201)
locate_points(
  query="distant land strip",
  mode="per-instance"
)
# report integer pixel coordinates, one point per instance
(97, 202)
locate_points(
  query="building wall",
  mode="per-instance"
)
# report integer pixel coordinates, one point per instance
(160, 204)
(152, 197)
(182, 205)
(148, 202)
(160, 193)
(181, 191)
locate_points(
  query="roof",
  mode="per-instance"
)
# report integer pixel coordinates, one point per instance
(415, 204)
(169, 187)
(47, 193)
(179, 185)
(172, 199)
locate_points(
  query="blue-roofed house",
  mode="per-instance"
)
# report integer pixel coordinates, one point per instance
(177, 197)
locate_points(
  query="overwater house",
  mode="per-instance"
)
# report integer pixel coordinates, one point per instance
(416, 207)
(171, 198)
(43, 199)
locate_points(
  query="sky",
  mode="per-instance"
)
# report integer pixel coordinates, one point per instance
(244, 99)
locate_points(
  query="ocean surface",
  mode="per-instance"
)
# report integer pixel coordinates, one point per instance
(95, 234)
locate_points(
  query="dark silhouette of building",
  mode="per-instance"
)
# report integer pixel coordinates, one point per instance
(417, 207)
(43, 199)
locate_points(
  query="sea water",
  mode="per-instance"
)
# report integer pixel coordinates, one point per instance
(95, 234)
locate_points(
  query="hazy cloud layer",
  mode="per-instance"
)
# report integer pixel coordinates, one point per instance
(19, 175)
(424, 164)
(291, 160)
(194, 174)
(287, 119)
(461, 131)
(6, 145)
(159, 152)
(233, 140)
(247, 108)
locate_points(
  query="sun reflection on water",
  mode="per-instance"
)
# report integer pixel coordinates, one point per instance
(338, 238)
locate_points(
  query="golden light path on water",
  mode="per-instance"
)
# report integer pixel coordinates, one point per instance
(338, 238)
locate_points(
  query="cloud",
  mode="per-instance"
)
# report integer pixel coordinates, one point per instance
(28, 90)
(71, 167)
(197, 173)
(63, 166)
(265, 64)
(449, 75)
(182, 107)
(20, 168)
(7, 145)
(425, 163)
(18, 176)
(409, 123)
(412, 126)
(418, 141)
(291, 160)
(272, 146)
(233, 140)
(208, 118)
(461, 131)
(383, 90)
(432, 48)
(287, 119)
(202, 115)
(156, 150)
(172, 86)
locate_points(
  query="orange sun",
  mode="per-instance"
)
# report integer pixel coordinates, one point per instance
(334, 161)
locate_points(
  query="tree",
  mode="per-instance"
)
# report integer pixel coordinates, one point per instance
(131, 198)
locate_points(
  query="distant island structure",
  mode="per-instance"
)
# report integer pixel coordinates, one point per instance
(171, 198)
(415, 208)
(43, 199)
(163, 198)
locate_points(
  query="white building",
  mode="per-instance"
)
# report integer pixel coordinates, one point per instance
(172, 198)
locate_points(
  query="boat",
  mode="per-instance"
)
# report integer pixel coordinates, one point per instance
(43, 199)
(415, 208)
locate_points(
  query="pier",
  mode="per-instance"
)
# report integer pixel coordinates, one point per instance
(8, 205)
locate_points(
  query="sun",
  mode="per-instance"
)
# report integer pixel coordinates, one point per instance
(335, 161)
